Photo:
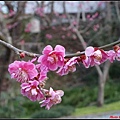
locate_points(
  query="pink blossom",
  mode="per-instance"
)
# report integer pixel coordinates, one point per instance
(88, 16)
(95, 15)
(74, 22)
(91, 19)
(12, 13)
(54, 28)
(80, 5)
(64, 16)
(69, 66)
(52, 58)
(56, 14)
(22, 71)
(117, 52)
(48, 36)
(53, 98)
(22, 42)
(96, 55)
(28, 27)
(96, 27)
(85, 60)
(73, 30)
(118, 55)
(74, 37)
(111, 55)
(100, 3)
(10, 26)
(40, 11)
(63, 36)
(68, 34)
(43, 70)
(32, 91)
(54, 20)
(63, 28)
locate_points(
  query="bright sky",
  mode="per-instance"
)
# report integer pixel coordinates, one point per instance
(58, 6)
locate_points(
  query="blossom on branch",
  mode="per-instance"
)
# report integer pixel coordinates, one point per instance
(96, 55)
(33, 76)
(22, 71)
(43, 70)
(69, 66)
(52, 58)
(53, 98)
(32, 91)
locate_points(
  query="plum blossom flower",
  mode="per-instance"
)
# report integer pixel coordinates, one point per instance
(111, 55)
(68, 34)
(48, 36)
(63, 36)
(28, 27)
(96, 27)
(114, 54)
(53, 98)
(52, 58)
(85, 60)
(43, 70)
(22, 71)
(69, 66)
(40, 11)
(117, 52)
(11, 13)
(32, 91)
(96, 55)
(74, 22)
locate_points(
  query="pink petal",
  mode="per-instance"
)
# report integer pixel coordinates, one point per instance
(89, 51)
(60, 48)
(34, 92)
(60, 92)
(53, 67)
(47, 49)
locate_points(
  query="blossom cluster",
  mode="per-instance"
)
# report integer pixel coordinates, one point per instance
(32, 74)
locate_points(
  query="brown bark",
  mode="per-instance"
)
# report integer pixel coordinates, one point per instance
(101, 84)
(4, 61)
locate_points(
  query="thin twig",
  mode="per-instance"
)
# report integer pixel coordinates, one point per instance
(18, 51)
(30, 54)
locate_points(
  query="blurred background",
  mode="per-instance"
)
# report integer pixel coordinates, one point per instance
(31, 25)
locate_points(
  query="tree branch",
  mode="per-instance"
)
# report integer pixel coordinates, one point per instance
(18, 51)
(30, 54)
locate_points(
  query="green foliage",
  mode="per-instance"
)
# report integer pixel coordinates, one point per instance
(112, 91)
(12, 107)
(46, 114)
(79, 96)
(87, 95)
(17, 106)
(114, 70)
(55, 112)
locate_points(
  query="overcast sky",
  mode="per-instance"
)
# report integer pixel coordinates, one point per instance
(71, 6)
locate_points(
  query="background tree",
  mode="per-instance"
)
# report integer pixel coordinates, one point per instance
(77, 29)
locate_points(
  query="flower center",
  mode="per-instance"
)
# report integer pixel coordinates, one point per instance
(53, 58)
(98, 55)
(21, 75)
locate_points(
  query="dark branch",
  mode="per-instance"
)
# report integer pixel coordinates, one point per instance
(19, 51)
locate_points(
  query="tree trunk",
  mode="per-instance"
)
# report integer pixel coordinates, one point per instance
(5, 58)
(101, 86)
(101, 83)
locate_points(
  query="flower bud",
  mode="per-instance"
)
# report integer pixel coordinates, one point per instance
(22, 55)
